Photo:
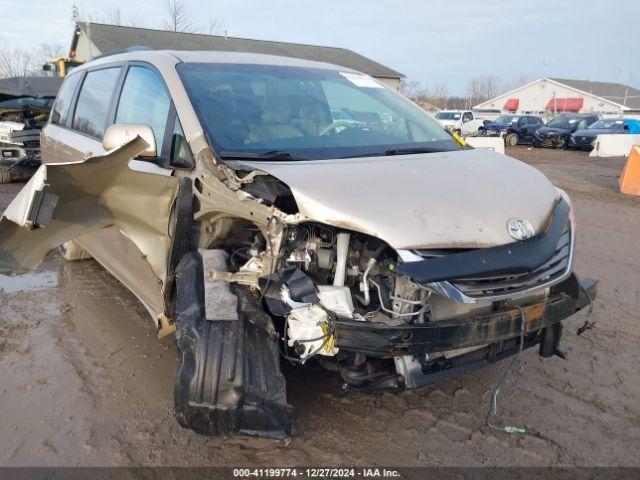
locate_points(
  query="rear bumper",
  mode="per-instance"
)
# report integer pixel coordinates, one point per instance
(383, 341)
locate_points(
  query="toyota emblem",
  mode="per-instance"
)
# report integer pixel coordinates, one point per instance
(520, 229)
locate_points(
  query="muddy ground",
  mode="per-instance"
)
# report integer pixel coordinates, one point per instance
(84, 381)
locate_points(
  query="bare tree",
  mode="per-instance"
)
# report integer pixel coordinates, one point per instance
(427, 97)
(15, 61)
(482, 88)
(178, 16)
(438, 95)
(43, 54)
(112, 15)
(410, 88)
(214, 26)
(518, 81)
(22, 62)
(135, 20)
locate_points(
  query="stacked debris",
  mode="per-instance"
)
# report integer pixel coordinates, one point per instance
(25, 103)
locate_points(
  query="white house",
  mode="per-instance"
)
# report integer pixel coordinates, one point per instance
(549, 96)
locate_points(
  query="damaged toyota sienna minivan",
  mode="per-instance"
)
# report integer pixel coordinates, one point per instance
(268, 209)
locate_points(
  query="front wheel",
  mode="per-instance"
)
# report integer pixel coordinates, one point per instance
(511, 140)
(6, 176)
(72, 252)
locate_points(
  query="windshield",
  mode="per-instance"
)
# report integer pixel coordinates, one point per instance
(608, 124)
(562, 122)
(304, 113)
(448, 115)
(506, 119)
(22, 102)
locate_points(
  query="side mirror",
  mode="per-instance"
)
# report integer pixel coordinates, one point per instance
(122, 133)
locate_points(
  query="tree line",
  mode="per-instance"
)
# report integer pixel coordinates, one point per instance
(479, 89)
(17, 61)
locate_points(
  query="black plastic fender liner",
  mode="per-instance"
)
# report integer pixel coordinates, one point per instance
(228, 379)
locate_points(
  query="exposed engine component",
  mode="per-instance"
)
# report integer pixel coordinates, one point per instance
(309, 332)
(322, 274)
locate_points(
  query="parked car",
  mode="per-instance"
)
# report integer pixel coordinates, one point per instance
(557, 132)
(220, 190)
(515, 128)
(25, 103)
(459, 121)
(584, 139)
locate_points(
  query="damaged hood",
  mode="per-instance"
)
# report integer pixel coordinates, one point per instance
(461, 199)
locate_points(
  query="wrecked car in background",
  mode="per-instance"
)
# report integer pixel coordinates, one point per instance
(557, 132)
(514, 128)
(585, 138)
(25, 103)
(228, 194)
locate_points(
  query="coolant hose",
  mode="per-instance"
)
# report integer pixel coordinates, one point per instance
(342, 247)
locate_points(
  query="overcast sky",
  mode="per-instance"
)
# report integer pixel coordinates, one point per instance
(430, 41)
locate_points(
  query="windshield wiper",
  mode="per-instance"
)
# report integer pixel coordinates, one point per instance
(409, 151)
(268, 155)
(400, 151)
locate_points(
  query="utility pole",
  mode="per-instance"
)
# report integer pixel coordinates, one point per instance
(626, 90)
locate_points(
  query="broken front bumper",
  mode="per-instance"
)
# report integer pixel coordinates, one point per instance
(383, 341)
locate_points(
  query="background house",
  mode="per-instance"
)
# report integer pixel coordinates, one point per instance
(548, 95)
(93, 39)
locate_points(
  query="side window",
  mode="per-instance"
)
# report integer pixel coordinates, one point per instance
(94, 100)
(60, 112)
(144, 100)
(467, 117)
(180, 151)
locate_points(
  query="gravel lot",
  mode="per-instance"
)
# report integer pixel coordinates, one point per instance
(84, 381)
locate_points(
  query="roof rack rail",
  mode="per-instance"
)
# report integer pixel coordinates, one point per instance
(134, 48)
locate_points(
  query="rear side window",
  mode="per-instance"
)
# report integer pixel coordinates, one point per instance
(61, 108)
(93, 102)
(144, 100)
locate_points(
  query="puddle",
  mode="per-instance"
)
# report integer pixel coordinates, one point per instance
(29, 282)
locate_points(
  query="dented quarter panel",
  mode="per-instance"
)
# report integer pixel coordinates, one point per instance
(438, 200)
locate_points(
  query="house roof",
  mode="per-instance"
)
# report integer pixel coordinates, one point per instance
(614, 92)
(115, 38)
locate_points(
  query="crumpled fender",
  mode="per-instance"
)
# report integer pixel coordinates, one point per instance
(65, 200)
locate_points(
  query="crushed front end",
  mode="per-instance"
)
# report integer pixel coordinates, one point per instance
(393, 319)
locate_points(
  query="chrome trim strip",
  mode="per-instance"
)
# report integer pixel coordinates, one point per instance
(448, 290)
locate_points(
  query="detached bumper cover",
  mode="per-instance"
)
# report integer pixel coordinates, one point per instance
(381, 340)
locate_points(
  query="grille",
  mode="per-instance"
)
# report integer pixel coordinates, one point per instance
(496, 284)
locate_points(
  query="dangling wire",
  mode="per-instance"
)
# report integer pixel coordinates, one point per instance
(588, 325)
(493, 404)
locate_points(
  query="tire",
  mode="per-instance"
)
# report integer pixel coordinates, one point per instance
(73, 252)
(6, 176)
(511, 140)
